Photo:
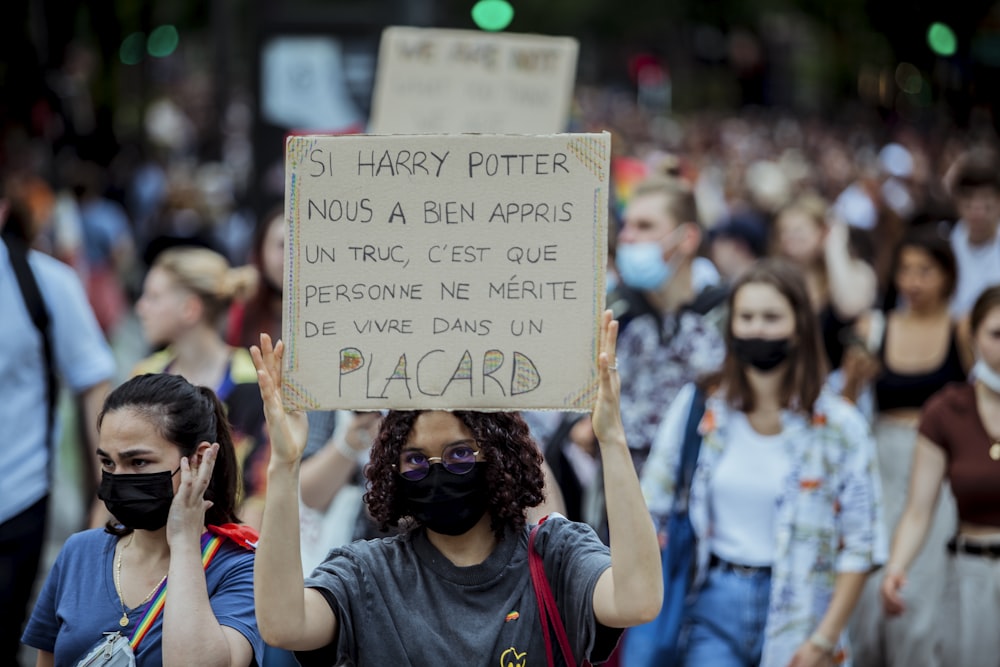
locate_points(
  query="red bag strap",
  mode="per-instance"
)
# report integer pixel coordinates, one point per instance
(547, 609)
(240, 533)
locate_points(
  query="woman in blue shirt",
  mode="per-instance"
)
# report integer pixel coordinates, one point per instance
(169, 478)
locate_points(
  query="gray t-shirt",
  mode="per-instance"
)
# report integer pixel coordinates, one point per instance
(400, 602)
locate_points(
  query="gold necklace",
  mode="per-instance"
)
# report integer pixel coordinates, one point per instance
(123, 621)
(994, 449)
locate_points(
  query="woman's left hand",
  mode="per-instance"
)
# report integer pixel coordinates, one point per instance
(186, 520)
(607, 416)
(810, 655)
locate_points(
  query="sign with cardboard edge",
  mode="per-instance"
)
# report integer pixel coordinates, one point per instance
(590, 152)
(490, 102)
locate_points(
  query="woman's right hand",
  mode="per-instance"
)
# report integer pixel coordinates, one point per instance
(892, 601)
(288, 430)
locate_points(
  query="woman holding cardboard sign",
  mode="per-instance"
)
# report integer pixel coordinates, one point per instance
(454, 587)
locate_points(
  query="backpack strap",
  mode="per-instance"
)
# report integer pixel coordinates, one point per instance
(704, 303)
(17, 250)
(708, 299)
(689, 451)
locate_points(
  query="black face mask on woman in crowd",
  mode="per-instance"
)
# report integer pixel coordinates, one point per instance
(446, 502)
(140, 501)
(764, 354)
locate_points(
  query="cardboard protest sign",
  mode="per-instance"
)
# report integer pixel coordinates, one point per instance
(437, 81)
(444, 272)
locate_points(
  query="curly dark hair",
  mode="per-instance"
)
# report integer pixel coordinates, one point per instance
(513, 473)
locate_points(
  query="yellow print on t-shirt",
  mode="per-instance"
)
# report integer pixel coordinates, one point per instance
(511, 658)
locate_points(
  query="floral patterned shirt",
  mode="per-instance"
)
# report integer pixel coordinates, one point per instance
(828, 514)
(656, 357)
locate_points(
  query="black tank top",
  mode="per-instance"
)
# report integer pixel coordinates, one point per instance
(910, 390)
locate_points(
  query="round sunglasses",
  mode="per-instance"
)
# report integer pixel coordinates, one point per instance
(457, 458)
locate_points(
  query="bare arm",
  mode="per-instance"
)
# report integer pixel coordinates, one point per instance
(289, 615)
(553, 502)
(860, 365)
(846, 591)
(322, 475)
(91, 402)
(963, 332)
(191, 633)
(45, 659)
(630, 592)
(929, 467)
(851, 281)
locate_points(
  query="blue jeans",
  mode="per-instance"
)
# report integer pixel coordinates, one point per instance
(724, 626)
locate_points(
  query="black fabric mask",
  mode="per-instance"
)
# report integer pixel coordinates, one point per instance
(444, 502)
(762, 353)
(140, 501)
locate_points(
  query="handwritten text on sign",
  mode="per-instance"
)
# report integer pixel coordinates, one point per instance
(459, 271)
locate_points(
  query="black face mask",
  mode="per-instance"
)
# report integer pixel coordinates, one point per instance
(140, 501)
(764, 354)
(444, 502)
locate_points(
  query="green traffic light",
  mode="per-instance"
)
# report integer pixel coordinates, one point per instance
(942, 40)
(163, 41)
(132, 49)
(492, 15)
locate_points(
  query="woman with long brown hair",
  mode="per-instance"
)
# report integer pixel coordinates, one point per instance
(785, 496)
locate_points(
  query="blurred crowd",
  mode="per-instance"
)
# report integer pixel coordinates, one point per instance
(893, 226)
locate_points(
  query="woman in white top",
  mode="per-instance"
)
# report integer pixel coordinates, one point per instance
(785, 495)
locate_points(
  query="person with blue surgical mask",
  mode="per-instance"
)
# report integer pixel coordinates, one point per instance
(673, 336)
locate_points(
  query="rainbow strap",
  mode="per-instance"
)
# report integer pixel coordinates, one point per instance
(209, 547)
